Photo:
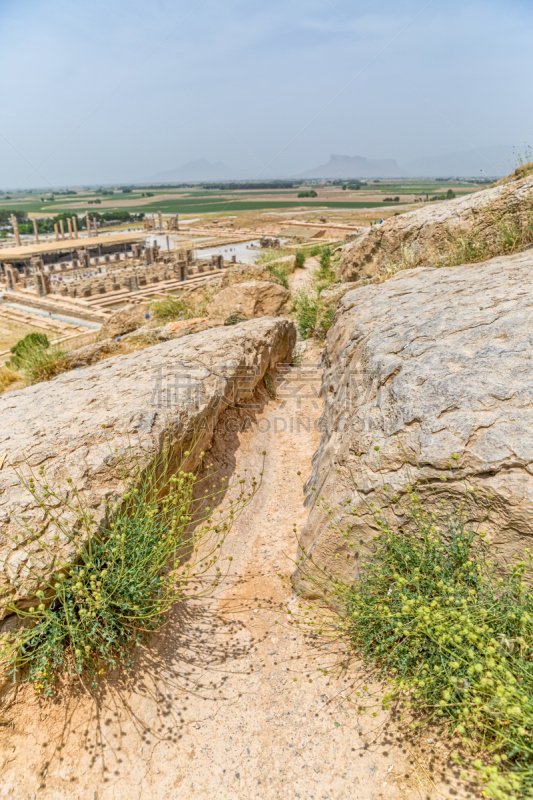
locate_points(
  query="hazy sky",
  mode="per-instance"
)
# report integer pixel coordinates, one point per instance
(99, 91)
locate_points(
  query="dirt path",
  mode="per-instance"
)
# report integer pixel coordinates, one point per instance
(227, 704)
(300, 277)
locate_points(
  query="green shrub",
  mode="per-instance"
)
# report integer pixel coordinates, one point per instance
(30, 342)
(270, 385)
(280, 272)
(299, 260)
(42, 365)
(434, 614)
(325, 275)
(306, 311)
(36, 359)
(121, 582)
(272, 254)
(170, 308)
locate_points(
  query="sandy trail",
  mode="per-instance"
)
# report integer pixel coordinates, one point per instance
(300, 277)
(227, 703)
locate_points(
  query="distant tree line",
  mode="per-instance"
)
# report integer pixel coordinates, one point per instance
(228, 185)
(46, 224)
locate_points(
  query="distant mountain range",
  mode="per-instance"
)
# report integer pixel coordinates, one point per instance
(354, 167)
(484, 162)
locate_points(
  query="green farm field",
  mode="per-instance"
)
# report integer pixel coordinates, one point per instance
(202, 199)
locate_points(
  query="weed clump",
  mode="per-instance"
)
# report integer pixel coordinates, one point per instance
(433, 613)
(236, 318)
(20, 350)
(7, 377)
(171, 308)
(36, 359)
(123, 579)
(299, 260)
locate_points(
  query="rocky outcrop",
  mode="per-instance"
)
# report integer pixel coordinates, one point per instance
(91, 353)
(127, 319)
(415, 238)
(434, 368)
(78, 425)
(251, 298)
(332, 294)
(242, 273)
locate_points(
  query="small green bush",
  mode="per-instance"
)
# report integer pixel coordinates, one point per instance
(454, 636)
(31, 342)
(306, 306)
(170, 308)
(299, 260)
(325, 275)
(36, 359)
(280, 272)
(122, 581)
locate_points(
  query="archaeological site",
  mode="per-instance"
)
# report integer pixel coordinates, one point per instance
(266, 427)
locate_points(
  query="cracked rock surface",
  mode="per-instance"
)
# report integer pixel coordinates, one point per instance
(79, 424)
(432, 364)
(428, 230)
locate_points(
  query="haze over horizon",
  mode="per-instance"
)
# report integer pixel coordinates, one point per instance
(112, 92)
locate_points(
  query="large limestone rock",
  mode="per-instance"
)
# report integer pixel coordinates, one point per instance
(432, 363)
(332, 294)
(251, 298)
(138, 397)
(242, 273)
(419, 236)
(127, 319)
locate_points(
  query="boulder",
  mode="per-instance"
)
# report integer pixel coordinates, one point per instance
(127, 319)
(79, 424)
(332, 294)
(251, 298)
(419, 236)
(242, 273)
(91, 353)
(435, 368)
(186, 327)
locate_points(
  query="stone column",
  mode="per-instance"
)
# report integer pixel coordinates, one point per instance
(75, 226)
(36, 232)
(88, 224)
(10, 275)
(69, 223)
(40, 284)
(15, 224)
(56, 231)
(62, 228)
(153, 222)
(36, 264)
(83, 257)
(160, 220)
(95, 226)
